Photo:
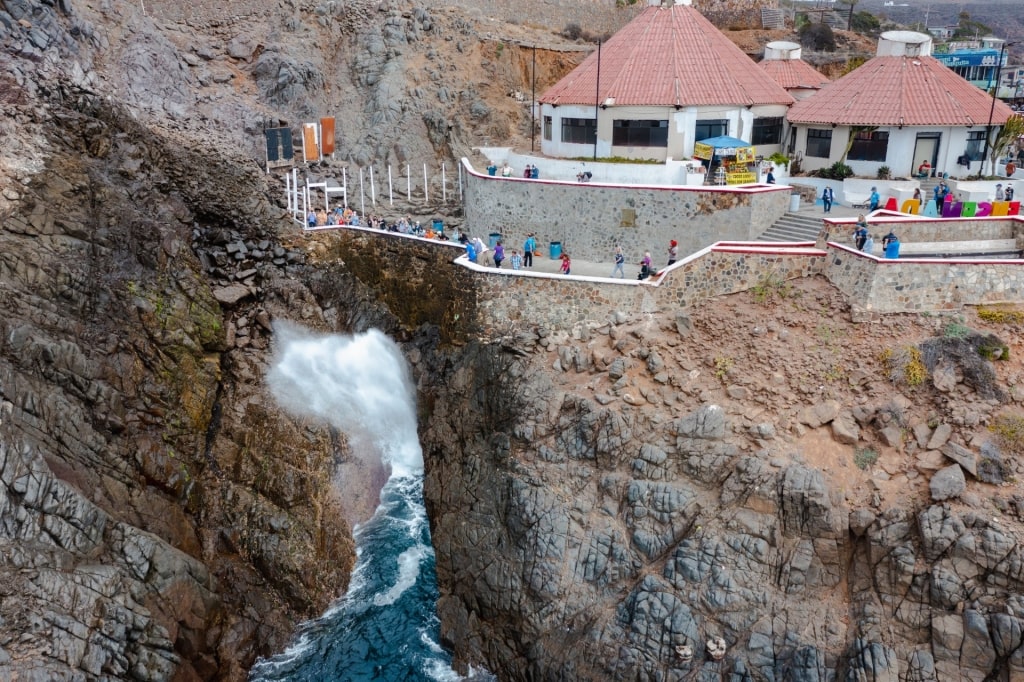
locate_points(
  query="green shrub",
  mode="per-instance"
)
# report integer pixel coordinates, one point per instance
(884, 173)
(864, 457)
(837, 171)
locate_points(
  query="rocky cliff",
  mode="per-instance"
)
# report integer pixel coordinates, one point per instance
(748, 491)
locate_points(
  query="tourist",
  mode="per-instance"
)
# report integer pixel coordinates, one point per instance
(565, 267)
(492, 170)
(516, 260)
(506, 170)
(311, 218)
(827, 197)
(534, 173)
(470, 252)
(891, 244)
(1009, 192)
(925, 169)
(645, 266)
(499, 254)
(874, 200)
(673, 251)
(917, 197)
(869, 244)
(527, 172)
(620, 261)
(1011, 168)
(1000, 196)
(771, 176)
(529, 246)
(860, 232)
(480, 248)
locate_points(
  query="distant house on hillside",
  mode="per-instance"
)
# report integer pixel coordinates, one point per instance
(666, 80)
(902, 107)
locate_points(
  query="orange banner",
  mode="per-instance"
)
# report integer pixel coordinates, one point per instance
(327, 135)
(309, 149)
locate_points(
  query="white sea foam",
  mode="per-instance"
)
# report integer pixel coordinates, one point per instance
(359, 384)
(408, 571)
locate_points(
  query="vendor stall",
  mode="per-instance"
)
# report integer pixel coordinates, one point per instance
(734, 158)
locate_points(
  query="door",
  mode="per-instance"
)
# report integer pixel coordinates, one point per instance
(926, 149)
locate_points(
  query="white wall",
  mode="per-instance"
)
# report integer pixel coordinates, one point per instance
(681, 129)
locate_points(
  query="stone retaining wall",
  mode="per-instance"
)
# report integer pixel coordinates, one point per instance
(939, 230)
(565, 303)
(586, 217)
(423, 283)
(921, 284)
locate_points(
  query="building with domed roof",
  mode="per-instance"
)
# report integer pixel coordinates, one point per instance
(902, 107)
(663, 82)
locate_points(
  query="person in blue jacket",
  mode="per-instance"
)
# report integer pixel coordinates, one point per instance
(875, 199)
(470, 252)
(891, 245)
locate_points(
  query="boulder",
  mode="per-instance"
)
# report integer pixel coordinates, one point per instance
(962, 456)
(940, 436)
(947, 483)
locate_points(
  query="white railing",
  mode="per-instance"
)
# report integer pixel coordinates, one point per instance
(304, 194)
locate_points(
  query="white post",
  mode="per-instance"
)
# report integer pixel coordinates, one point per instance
(426, 196)
(344, 185)
(408, 183)
(373, 189)
(362, 196)
(444, 188)
(391, 189)
(460, 181)
(295, 188)
(288, 192)
(305, 205)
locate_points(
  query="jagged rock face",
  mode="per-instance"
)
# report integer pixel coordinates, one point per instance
(161, 518)
(596, 516)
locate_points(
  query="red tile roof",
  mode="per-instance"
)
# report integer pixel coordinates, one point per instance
(793, 73)
(669, 56)
(893, 91)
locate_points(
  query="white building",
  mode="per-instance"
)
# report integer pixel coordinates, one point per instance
(902, 107)
(664, 81)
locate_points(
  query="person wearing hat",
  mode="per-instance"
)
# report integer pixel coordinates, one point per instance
(1009, 192)
(673, 251)
(874, 200)
(999, 192)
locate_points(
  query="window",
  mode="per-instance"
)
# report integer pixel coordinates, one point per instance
(706, 129)
(579, 130)
(976, 145)
(869, 146)
(627, 133)
(547, 128)
(767, 131)
(819, 143)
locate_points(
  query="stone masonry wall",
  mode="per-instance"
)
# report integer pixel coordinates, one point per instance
(585, 218)
(564, 303)
(906, 285)
(941, 230)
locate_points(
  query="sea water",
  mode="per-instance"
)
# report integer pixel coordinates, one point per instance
(385, 627)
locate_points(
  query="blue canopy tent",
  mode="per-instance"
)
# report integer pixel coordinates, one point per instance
(723, 145)
(717, 149)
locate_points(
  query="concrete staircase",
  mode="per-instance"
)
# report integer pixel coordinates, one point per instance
(773, 18)
(793, 227)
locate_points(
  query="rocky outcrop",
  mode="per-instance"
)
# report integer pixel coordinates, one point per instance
(616, 512)
(162, 518)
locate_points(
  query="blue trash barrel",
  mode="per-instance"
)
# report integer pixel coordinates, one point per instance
(495, 236)
(556, 250)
